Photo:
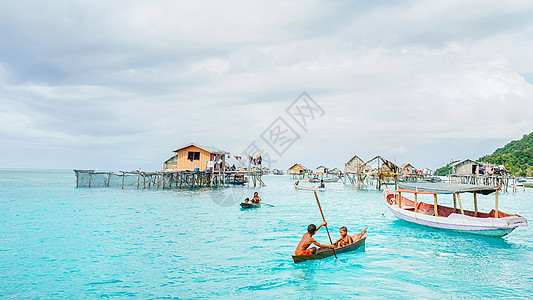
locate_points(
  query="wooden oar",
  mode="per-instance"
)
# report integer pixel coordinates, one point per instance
(267, 204)
(319, 207)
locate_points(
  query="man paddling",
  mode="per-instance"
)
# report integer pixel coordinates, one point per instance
(307, 240)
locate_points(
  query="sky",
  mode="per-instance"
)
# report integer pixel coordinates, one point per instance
(118, 85)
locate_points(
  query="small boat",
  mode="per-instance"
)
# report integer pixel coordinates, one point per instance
(527, 184)
(250, 205)
(237, 180)
(494, 223)
(333, 179)
(309, 188)
(326, 252)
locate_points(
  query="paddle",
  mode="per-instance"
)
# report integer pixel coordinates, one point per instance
(318, 202)
(263, 203)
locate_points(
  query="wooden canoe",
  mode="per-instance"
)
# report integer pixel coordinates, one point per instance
(325, 252)
(250, 205)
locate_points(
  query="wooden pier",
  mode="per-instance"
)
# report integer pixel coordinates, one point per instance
(505, 182)
(167, 179)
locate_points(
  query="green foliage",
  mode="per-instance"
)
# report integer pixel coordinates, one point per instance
(445, 170)
(516, 156)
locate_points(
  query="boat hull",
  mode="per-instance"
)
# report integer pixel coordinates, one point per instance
(249, 205)
(457, 222)
(309, 188)
(323, 179)
(329, 252)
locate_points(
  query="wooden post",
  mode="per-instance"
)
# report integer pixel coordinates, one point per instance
(77, 178)
(400, 199)
(454, 203)
(416, 202)
(89, 178)
(496, 205)
(144, 181)
(123, 179)
(224, 169)
(435, 206)
(138, 175)
(163, 179)
(108, 179)
(460, 203)
(475, 204)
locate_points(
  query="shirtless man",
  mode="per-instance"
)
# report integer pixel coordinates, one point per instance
(346, 239)
(307, 240)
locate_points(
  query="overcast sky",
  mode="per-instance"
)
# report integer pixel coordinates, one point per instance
(119, 84)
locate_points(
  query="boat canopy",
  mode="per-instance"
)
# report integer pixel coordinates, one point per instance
(444, 188)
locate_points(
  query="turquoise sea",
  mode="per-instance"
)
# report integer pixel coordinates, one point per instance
(62, 242)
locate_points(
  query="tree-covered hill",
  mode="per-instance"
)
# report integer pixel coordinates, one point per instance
(516, 156)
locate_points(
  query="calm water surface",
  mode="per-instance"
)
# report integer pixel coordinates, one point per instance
(58, 241)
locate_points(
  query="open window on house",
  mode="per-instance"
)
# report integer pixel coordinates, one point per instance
(194, 155)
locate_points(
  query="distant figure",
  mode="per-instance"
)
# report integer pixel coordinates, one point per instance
(256, 199)
(246, 200)
(345, 238)
(321, 184)
(233, 168)
(307, 240)
(297, 182)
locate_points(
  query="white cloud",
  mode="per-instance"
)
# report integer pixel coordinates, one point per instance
(124, 83)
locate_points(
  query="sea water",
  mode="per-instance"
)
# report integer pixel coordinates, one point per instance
(58, 241)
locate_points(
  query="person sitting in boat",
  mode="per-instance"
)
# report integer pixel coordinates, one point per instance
(321, 184)
(246, 200)
(345, 238)
(307, 240)
(297, 182)
(256, 199)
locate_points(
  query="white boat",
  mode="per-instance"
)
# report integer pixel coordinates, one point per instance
(309, 188)
(333, 179)
(494, 223)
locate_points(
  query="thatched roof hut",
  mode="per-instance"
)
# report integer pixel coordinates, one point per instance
(353, 165)
(297, 169)
(407, 169)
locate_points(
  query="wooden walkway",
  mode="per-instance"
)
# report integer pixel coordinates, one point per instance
(170, 179)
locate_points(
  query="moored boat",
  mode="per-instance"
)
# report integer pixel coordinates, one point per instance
(309, 188)
(333, 179)
(325, 252)
(250, 205)
(528, 184)
(494, 223)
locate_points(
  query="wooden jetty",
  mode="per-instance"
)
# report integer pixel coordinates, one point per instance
(168, 179)
(505, 182)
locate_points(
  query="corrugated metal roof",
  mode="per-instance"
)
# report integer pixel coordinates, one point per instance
(209, 149)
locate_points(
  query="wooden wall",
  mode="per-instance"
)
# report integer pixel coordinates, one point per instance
(183, 163)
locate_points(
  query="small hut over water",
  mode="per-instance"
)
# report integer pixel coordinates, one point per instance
(352, 166)
(407, 169)
(193, 157)
(466, 167)
(297, 171)
(321, 170)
